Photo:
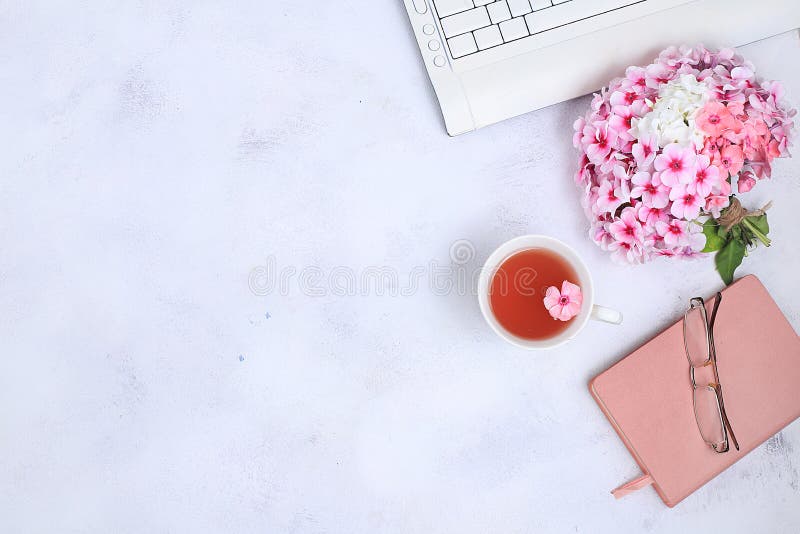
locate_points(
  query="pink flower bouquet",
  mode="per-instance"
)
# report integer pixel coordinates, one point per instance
(663, 149)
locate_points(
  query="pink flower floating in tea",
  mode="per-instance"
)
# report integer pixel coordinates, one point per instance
(667, 147)
(565, 304)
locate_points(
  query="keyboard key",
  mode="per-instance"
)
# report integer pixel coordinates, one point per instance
(550, 18)
(461, 45)
(513, 29)
(449, 7)
(479, 3)
(465, 21)
(519, 7)
(540, 4)
(488, 37)
(498, 11)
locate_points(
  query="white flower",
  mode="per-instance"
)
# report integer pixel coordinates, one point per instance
(672, 119)
(684, 94)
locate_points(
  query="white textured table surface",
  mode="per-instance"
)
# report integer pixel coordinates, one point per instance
(158, 156)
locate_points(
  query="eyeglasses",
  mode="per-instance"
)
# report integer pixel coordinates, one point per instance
(709, 409)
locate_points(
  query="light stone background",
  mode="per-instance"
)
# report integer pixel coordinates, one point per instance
(156, 155)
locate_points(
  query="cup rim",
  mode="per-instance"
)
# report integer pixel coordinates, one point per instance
(525, 242)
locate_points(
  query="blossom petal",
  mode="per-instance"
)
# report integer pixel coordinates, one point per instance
(572, 291)
(551, 297)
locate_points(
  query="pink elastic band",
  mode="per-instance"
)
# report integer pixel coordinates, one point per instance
(634, 485)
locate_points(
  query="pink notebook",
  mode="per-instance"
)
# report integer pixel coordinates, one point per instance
(647, 396)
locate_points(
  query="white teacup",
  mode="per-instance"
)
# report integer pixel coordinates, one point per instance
(588, 310)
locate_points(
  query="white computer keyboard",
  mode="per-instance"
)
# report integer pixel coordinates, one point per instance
(470, 26)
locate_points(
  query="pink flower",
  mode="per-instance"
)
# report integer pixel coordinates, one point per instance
(578, 126)
(691, 253)
(676, 164)
(623, 98)
(565, 304)
(656, 74)
(706, 177)
(761, 164)
(741, 73)
(665, 252)
(754, 132)
(584, 175)
(742, 123)
(746, 182)
(627, 227)
(715, 118)
(610, 198)
(627, 252)
(600, 105)
(736, 107)
(711, 148)
(680, 234)
(644, 151)
(685, 204)
(650, 189)
(636, 77)
(600, 141)
(716, 203)
(600, 235)
(673, 232)
(650, 216)
(620, 122)
(724, 188)
(731, 160)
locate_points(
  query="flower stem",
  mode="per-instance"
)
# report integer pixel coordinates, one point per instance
(760, 235)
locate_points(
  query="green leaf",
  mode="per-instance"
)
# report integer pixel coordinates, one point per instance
(728, 259)
(713, 240)
(760, 222)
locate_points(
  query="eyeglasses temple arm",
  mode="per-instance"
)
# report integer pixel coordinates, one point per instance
(717, 301)
(725, 419)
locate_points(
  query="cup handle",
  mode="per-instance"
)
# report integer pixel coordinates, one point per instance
(607, 315)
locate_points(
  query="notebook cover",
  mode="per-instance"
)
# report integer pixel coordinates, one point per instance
(647, 396)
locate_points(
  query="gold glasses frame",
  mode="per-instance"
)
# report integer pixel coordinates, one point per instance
(697, 303)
